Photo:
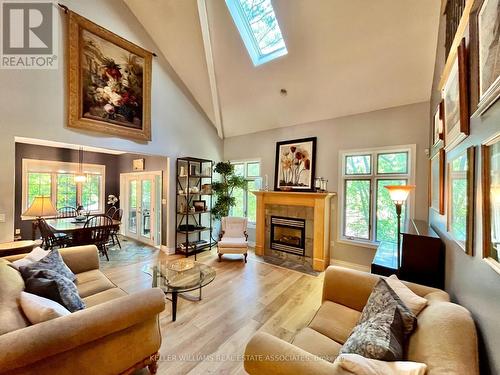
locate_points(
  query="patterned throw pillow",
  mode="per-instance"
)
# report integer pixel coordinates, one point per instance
(381, 330)
(52, 285)
(53, 261)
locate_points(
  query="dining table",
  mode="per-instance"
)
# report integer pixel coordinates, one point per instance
(80, 235)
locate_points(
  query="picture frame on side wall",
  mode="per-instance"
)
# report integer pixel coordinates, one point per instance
(295, 165)
(490, 182)
(485, 55)
(109, 82)
(437, 182)
(438, 126)
(456, 101)
(460, 218)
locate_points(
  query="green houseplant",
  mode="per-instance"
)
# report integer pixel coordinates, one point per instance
(223, 189)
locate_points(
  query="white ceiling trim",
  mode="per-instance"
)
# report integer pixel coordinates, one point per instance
(205, 32)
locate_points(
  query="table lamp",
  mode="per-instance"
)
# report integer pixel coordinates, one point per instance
(41, 206)
(399, 194)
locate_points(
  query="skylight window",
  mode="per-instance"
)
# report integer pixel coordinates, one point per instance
(259, 29)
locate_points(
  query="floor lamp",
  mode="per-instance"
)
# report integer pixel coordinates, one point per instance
(399, 194)
(41, 206)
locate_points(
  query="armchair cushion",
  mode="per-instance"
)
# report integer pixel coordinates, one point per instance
(92, 282)
(233, 242)
(234, 226)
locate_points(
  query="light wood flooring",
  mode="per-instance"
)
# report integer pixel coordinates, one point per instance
(209, 336)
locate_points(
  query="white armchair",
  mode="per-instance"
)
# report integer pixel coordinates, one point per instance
(233, 238)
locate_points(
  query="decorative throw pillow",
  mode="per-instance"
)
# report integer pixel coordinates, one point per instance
(43, 287)
(409, 319)
(414, 302)
(380, 331)
(53, 261)
(34, 256)
(38, 309)
(68, 294)
(363, 366)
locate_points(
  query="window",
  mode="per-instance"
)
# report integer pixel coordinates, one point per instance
(368, 213)
(259, 29)
(246, 201)
(56, 180)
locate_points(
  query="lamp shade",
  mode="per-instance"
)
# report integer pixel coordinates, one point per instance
(399, 193)
(41, 206)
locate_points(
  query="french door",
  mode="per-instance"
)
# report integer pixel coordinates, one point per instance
(141, 206)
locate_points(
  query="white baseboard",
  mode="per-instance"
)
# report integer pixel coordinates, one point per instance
(167, 250)
(354, 266)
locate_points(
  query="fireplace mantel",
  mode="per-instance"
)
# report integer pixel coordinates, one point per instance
(321, 223)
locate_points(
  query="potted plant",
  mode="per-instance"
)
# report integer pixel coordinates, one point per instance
(223, 189)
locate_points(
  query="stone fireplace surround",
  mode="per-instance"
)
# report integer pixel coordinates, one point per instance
(294, 203)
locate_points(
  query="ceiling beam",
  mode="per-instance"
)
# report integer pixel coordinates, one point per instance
(205, 32)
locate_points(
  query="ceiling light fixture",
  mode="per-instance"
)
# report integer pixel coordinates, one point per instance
(80, 176)
(283, 92)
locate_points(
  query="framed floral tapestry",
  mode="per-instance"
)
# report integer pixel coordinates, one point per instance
(456, 101)
(295, 165)
(109, 82)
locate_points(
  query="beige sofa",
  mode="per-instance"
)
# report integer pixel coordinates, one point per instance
(116, 333)
(445, 338)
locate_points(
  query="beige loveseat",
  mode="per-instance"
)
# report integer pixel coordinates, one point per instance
(114, 334)
(445, 338)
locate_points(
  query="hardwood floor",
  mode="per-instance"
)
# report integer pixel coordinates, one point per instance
(209, 336)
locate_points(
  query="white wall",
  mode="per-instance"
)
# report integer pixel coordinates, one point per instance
(33, 104)
(395, 126)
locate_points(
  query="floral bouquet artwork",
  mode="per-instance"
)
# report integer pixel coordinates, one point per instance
(112, 83)
(295, 164)
(109, 82)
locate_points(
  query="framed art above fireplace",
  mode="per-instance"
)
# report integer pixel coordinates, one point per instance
(295, 165)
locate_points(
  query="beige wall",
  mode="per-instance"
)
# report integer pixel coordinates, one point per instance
(33, 104)
(469, 280)
(395, 126)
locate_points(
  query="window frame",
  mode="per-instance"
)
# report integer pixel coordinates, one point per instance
(247, 178)
(54, 168)
(374, 176)
(242, 24)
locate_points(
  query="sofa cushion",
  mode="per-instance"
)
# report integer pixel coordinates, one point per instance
(107, 295)
(39, 309)
(335, 321)
(11, 286)
(67, 294)
(315, 343)
(92, 282)
(359, 365)
(412, 300)
(53, 261)
(380, 332)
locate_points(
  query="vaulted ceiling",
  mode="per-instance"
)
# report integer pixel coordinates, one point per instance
(344, 57)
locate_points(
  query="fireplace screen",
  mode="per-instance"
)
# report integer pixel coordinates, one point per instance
(288, 235)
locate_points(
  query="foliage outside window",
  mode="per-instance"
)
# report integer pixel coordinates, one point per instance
(458, 195)
(368, 213)
(245, 200)
(56, 180)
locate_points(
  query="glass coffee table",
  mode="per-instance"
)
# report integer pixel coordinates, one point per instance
(179, 277)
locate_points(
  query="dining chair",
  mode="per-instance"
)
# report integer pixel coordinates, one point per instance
(50, 238)
(99, 227)
(116, 228)
(111, 211)
(67, 211)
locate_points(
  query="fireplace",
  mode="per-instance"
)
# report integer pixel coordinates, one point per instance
(288, 235)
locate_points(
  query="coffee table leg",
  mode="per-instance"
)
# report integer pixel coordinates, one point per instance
(174, 306)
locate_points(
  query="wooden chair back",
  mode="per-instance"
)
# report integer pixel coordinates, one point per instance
(49, 239)
(67, 211)
(99, 228)
(118, 214)
(111, 211)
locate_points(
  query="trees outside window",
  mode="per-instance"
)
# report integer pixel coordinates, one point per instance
(368, 213)
(246, 201)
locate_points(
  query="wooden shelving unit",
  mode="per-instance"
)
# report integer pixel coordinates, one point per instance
(193, 228)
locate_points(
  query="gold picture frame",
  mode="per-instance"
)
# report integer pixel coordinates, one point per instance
(490, 182)
(437, 182)
(460, 215)
(109, 82)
